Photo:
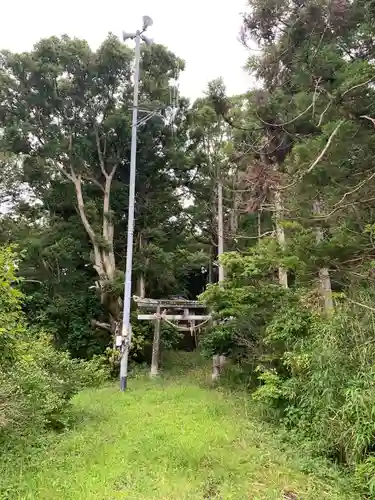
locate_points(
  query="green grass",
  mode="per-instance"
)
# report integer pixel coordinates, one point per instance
(171, 439)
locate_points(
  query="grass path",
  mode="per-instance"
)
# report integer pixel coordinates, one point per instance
(170, 440)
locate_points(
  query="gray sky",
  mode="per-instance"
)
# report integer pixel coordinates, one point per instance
(199, 31)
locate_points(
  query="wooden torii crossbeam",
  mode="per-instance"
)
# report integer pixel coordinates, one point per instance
(174, 310)
(190, 315)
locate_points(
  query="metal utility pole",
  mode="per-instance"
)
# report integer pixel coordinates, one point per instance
(124, 341)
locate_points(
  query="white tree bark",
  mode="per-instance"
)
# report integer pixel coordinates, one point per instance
(234, 211)
(220, 227)
(104, 256)
(259, 223)
(141, 285)
(156, 347)
(324, 276)
(280, 235)
(215, 367)
(218, 361)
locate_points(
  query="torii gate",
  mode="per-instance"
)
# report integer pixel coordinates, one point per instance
(187, 314)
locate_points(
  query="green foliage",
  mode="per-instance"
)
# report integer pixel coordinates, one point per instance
(365, 476)
(270, 391)
(10, 306)
(218, 339)
(295, 160)
(303, 149)
(36, 380)
(247, 302)
(314, 373)
(75, 102)
(170, 337)
(40, 384)
(331, 392)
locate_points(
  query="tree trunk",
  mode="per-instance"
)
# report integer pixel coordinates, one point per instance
(210, 269)
(104, 256)
(141, 286)
(156, 347)
(218, 361)
(324, 277)
(220, 227)
(234, 218)
(215, 367)
(259, 223)
(280, 234)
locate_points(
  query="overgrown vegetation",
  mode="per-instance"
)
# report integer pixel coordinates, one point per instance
(296, 308)
(182, 441)
(290, 164)
(36, 381)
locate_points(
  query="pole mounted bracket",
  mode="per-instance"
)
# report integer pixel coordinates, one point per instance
(148, 113)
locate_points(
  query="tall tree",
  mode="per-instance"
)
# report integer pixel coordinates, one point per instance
(65, 113)
(316, 69)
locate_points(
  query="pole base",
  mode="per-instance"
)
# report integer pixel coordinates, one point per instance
(123, 383)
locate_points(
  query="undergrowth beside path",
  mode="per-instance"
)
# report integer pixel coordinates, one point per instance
(169, 439)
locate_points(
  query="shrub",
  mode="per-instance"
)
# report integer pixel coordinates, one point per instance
(36, 389)
(315, 374)
(11, 318)
(333, 390)
(36, 380)
(365, 477)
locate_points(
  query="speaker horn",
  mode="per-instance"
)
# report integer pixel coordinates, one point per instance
(127, 36)
(147, 22)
